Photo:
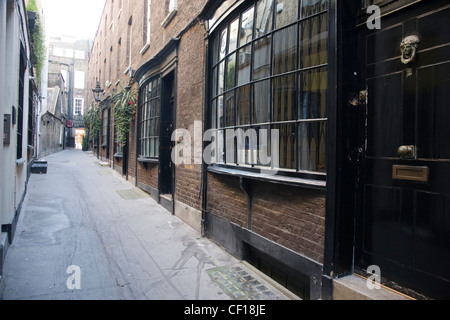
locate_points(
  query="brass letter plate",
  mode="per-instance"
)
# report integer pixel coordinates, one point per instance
(411, 173)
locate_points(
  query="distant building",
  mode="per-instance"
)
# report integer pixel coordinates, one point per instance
(67, 83)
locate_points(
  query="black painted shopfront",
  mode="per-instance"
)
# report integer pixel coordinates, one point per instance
(385, 94)
(391, 203)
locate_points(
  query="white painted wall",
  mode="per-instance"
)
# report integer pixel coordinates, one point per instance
(13, 172)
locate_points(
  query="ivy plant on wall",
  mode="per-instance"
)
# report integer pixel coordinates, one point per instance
(124, 107)
(92, 121)
(38, 54)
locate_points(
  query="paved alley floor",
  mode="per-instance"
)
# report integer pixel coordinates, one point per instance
(85, 233)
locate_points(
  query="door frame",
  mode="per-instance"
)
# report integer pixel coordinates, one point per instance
(165, 102)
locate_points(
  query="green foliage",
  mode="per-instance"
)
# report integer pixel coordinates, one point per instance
(124, 106)
(85, 145)
(32, 6)
(39, 52)
(93, 121)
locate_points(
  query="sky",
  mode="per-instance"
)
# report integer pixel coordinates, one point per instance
(76, 18)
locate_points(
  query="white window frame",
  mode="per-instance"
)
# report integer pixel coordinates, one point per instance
(147, 44)
(75, 106)
(173, 7)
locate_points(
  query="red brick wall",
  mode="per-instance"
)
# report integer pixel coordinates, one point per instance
(147, 173)
(290, 216)
(293, 217)
(190, 98)
(227, 200)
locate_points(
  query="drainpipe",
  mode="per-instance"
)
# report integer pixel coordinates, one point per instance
(206, 124)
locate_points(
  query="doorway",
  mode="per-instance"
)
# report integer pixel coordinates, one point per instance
(166, 167)
(403, 202)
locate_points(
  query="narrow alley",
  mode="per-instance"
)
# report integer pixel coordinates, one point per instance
(85, 233)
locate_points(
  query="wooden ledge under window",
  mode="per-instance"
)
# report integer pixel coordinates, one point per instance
(272, 178)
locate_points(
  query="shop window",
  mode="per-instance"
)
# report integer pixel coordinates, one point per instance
(149, 119)
(270, 72)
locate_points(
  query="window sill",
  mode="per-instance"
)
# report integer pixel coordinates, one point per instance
(117, 155)
(169, 18)
(287, 180)
(21, 161)
(145, 48)
(148, 160)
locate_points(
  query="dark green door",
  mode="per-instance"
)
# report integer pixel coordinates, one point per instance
(403, 218)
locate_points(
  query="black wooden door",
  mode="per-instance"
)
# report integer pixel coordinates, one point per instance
(166, 166)
(403, 218)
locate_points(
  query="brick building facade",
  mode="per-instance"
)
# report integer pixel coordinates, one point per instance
(277, 90)
(162, 47)
(157, 43)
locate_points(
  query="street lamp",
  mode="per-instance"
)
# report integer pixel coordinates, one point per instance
(98, 92)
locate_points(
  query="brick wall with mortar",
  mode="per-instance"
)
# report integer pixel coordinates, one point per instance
(293, 217)
(108, 62)
(190, 97)
(108, 58)
(290, 216)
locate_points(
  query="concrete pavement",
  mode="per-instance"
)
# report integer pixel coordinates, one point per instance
(87, 234)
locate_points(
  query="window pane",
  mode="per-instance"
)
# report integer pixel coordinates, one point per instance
(221, 119)
(156, 147)
(244, 65)
(312, 137)
(221, 78)
(243, 105)
(215, 50)
(264, 13)
(287, 12)
(264, 153)
(246, 27)
(262, 58)
(214, 114)
(145, 148)
(152, 148)
(231, 72)
(158, 107)
(234, 29)
(285, 50)
(310, 7)
(230, 110)
(285, 98)
(261, 102)
(313, 41)
(153, 128)
(223, 44)
(288, 145)
(147, 129)
(214, 81)
(313, 94)
(221, 146)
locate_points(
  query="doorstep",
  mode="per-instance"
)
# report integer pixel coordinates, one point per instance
(354, 287)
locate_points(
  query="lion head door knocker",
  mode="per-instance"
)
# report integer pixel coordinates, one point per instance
(409, 46)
